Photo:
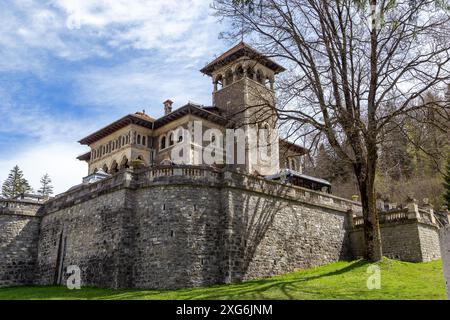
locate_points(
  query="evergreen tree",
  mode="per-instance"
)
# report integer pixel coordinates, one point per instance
(447, 184)
(46, 189)
(15, 184)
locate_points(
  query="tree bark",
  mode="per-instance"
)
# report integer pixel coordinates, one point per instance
(372, 235)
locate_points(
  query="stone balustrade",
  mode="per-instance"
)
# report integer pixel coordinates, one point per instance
(402, 215)
(197, 175)
(15, 207)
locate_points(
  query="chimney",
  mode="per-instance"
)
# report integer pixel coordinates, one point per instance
(168, 107)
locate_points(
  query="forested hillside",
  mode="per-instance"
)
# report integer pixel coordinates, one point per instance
(412, 159)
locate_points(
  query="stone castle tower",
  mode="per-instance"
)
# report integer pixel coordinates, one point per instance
(243, 81)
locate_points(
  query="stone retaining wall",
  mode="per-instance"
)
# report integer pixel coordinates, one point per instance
(19, 230)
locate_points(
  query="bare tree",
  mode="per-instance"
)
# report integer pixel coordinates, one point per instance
(354, 66)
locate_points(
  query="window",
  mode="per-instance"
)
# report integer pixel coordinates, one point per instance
(139, 139)
(293, 164)
(163, 143)
(171, 141)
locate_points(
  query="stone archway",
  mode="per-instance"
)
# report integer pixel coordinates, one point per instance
(114, 167)
(124, 164)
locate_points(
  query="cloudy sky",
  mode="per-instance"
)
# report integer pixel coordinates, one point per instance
(70, 67)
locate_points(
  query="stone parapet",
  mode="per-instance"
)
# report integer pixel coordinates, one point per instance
(197, 175)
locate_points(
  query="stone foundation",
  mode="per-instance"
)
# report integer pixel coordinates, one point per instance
(19, 232)
(176, 227)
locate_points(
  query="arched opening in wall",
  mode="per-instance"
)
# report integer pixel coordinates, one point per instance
(162, 143)
(171, 140)
(144, 141)
(267, 82)
(114, 167)
(293, 164)
(124, 163)
(265, 137)
(260, 77)
(105, 168)
(138, 139)
(239, 73)
(219, 82)
(250, 73)
(141, 158)
(228, 77)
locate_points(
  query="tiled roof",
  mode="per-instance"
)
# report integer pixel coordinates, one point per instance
(144, 120)
(241, 49)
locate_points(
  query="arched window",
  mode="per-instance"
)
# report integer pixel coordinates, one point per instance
(163, 143)
(139, 139)
(250, 73)
(260, 77)
(239, 73)
(114, 167)
(293, 164)
(228, 77)
(143, 141)
(218, 83)
(171, 140)
(124, 163)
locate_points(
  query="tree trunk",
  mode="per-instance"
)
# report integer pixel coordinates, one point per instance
(372, 235)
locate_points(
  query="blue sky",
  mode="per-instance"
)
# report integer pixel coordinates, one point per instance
(70, 67)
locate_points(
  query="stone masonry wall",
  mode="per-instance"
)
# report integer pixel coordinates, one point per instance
(96, 235)
(174, 228)
(18, 247)
(406, 240)
(429, 242)
(270, 235)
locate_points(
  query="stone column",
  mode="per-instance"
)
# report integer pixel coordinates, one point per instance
(444, 238)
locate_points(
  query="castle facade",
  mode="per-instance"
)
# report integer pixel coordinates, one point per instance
(147, 216)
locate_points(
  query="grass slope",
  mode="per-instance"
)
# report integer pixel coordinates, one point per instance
(340, 280)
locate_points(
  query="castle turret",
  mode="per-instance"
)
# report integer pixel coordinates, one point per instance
(243, 90)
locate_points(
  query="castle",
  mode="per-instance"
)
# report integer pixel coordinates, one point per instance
(151, 213)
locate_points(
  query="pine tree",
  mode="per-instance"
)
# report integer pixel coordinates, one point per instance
(447, 184)
(46, 189)
(15, 184)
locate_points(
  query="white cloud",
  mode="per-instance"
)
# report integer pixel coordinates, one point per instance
(149, 50)
(142, 83)
(57, 159)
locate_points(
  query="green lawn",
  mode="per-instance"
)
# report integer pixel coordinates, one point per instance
(341, 280)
